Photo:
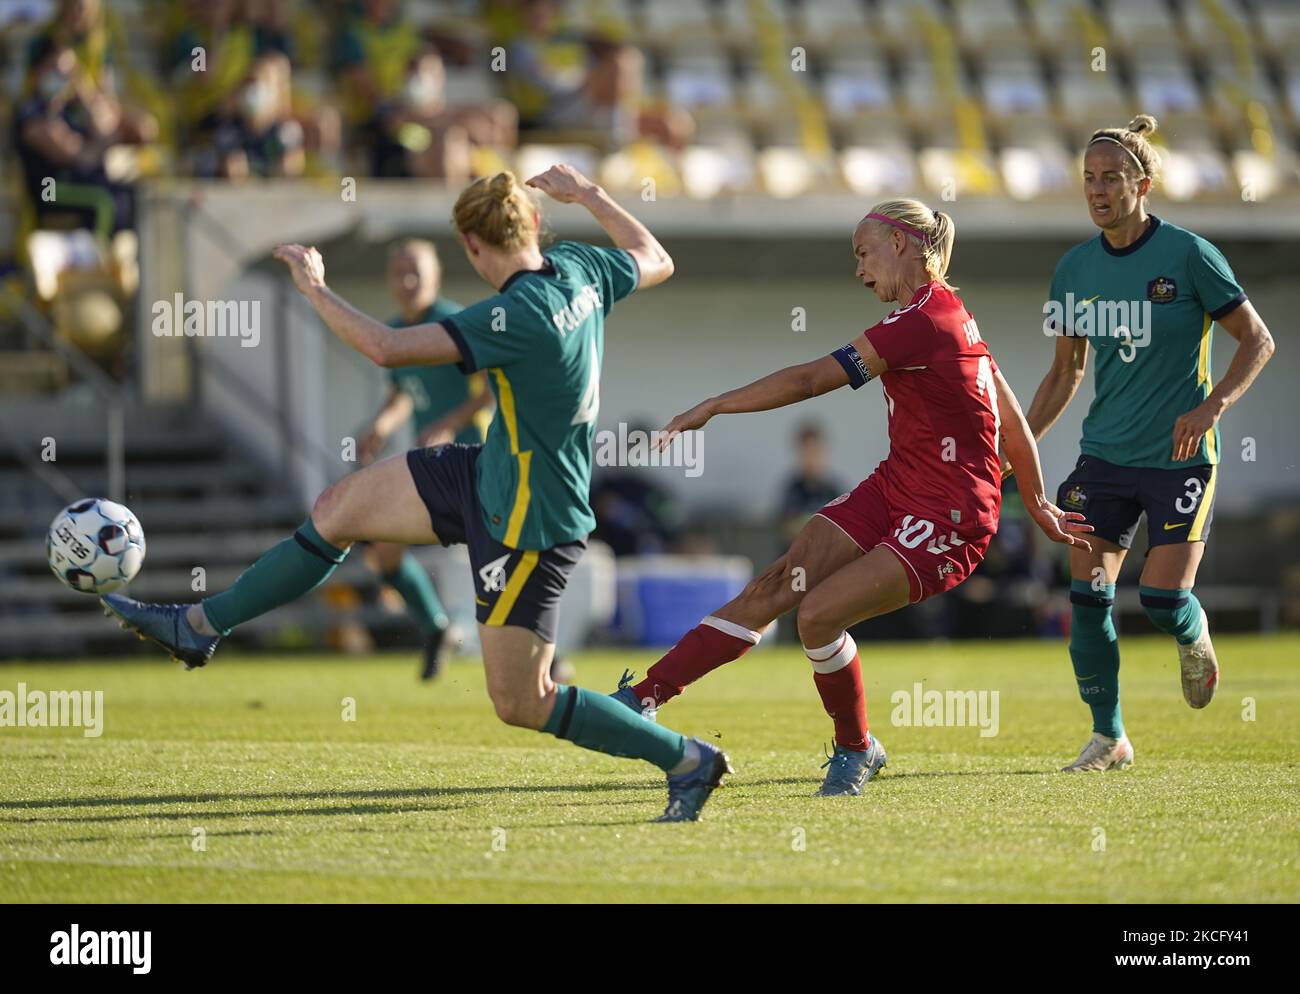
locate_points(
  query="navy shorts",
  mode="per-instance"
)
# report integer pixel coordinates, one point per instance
(511, 586)
(1178, 503)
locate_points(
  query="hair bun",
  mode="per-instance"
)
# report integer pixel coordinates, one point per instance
(1143, 124)
(502, 185)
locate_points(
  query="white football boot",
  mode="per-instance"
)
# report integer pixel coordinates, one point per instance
(1102, 753)
(1200, 667)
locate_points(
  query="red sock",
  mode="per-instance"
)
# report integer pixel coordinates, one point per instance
(701, 650)
(841, 691)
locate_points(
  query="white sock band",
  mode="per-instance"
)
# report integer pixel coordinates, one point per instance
(833, 657)
(734, 630)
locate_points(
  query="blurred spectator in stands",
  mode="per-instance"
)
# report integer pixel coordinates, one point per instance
(271, 22)
(63, 126)
(209, 60)
(80, 27)
(811, 486)
(225, 57)
(416, 134)
(634, 515)
(393, 84)
(257, 135)
(563, 80)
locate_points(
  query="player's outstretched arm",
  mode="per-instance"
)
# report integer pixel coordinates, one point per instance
(568, 186)
(780, 389)
(1255, 347)
(421, 345)
(1059, 385)
(1018, 443)
(397, 408)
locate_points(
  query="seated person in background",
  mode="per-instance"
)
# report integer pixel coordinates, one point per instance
(560, 79)
(80, 26)
(810, 488)
(256, 135)
(417, 134)
(62, 129)
(634, 515)
(209, 59)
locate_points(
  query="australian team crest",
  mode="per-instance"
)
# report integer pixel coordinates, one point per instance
(1075, 498)
(1162, 290)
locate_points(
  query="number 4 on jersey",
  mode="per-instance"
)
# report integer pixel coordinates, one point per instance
(590, 405)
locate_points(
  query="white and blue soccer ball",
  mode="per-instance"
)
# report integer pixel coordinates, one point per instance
(95, 546)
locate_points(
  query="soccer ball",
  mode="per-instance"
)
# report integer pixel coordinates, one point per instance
(95, 546)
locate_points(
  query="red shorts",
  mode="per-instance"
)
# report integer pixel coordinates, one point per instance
(937, 556)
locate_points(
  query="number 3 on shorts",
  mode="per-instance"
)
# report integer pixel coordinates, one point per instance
(1191, 498)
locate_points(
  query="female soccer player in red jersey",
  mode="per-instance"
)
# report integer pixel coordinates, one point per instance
(915, 527)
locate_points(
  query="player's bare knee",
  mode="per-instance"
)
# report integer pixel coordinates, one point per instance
(518, 707)
(327, 515)
(817, 624)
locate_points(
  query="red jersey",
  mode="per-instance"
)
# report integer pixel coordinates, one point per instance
(943, 412)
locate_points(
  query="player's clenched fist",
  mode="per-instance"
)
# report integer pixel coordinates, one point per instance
(305, 264)
(563, 183)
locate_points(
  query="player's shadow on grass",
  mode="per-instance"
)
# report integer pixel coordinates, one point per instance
(391, 795)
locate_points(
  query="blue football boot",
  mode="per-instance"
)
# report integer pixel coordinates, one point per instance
(164, 625)
(687, 792)
(849, 770)
(626, 695)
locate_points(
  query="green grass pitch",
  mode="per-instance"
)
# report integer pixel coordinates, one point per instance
(426, 797)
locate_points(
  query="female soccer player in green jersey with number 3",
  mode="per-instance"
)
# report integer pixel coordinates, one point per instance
(1147, 294)
(519, 501)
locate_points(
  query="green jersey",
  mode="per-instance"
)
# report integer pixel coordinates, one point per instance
(434, 390)
(1149, 311)
(541, 339)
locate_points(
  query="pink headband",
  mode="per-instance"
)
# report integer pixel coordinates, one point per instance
(901, 226)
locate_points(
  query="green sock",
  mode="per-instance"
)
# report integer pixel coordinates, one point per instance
(1094, 651)
(417, 590)
(297, 565)
(595, 721)
(1177, 612)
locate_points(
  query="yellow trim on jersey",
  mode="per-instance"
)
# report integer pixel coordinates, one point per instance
(1198, 523)
(506, 602)
(523, 493)
(1203, 361)
(1203, 380)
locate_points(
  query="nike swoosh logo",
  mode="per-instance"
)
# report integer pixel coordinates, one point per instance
(480, 602)
(1169, 527)
(1088, 677)
(1089, 300)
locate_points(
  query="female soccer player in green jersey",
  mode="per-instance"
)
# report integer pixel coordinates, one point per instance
(1146, 294)
(519, 501)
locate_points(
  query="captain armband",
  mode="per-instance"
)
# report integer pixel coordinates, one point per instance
(853, 363)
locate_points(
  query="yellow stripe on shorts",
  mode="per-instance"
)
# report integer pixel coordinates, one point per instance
(1203, 512)
(506, 602)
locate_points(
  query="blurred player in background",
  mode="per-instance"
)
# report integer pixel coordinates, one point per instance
(446, 406)
(519, 501)
(918, 525)
(811, 486)
(1151, 438)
